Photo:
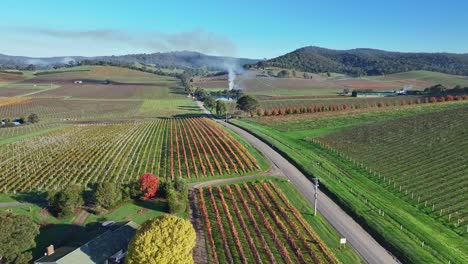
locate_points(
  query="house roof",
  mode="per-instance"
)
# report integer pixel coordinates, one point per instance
(96, 250)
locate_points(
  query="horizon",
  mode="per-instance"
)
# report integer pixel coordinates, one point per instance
(180, 51)
(263, 29)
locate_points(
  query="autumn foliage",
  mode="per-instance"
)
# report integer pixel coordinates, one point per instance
(165, 239)
(149, 185)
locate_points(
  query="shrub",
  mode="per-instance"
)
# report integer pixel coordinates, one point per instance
(149, 185)
(432, 99)
(33, 118)
(108, 194)
(63, 202)
(177, 204)
(274, 112)
(259, 112)
(131, 190)
(165, 239)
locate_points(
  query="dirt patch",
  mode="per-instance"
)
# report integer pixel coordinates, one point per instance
(10, 77)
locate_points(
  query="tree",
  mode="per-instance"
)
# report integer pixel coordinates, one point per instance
(165, 239)
(209, 101)
(18, 233)
(436, 89)
(247, 103)
(64, 201)
(131, 190)
(108, 194)
(33, 118)
(177, 196)
(221, 107)
(149, 185)
(283, 74)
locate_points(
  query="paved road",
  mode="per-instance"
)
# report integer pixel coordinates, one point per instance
(356, 236)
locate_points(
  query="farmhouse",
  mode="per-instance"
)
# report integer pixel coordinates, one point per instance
(109, 247)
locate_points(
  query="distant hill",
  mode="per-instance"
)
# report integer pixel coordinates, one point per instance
(177, 59)
(367, 61)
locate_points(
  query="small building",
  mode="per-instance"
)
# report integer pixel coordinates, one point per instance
(109, 247)
(78, 82)
(373, 93)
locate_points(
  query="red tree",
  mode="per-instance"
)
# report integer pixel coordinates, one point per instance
(149, 185)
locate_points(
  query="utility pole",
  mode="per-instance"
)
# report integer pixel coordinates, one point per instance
(316, 185)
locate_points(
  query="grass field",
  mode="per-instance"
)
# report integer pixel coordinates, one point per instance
(396, 223)
(136, 211)
(426, 77)
(254, 222)
(12, 134)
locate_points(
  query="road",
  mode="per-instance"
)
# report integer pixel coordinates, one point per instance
(366, 246)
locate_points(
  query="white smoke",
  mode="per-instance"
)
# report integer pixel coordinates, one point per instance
(231, 77)
(231, 65)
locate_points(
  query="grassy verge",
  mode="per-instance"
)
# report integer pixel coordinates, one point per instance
(408, 233)
(28, 135)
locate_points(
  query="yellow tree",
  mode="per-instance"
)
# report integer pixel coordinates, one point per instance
(165, 239)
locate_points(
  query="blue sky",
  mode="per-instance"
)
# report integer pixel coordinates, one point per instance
(254, 28)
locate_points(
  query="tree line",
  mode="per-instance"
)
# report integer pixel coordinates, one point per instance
(362, 62)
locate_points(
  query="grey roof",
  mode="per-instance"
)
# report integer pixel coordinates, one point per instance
(96, 250)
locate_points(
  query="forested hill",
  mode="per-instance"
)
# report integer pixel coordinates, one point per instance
(177, 59)
(367, 61)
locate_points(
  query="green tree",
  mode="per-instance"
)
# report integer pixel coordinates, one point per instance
(33, 118)
(283, 74)
(177, 196)
(165, 239)
(209, 101)
(221, 107)
(108, 195)
(247, 103)
(64, 201)
(17, 237)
